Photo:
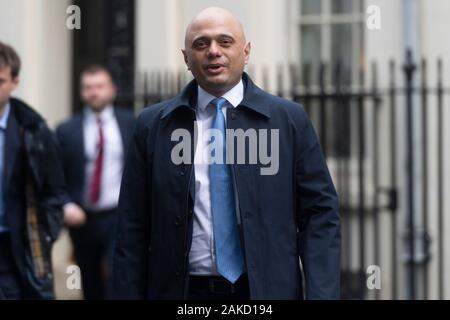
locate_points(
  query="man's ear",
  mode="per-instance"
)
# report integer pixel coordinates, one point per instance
(185, 58)
(247, 50)
(15, 82)
(115, 90)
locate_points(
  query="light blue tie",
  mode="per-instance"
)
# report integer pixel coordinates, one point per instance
(230, 260)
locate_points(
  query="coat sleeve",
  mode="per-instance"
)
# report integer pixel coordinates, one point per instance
(318, 216)
(133, 225)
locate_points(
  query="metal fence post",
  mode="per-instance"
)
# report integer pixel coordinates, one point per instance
(409, 68)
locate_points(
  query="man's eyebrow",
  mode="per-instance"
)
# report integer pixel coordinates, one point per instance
(226, 35)
(204, 37)
(199, 38)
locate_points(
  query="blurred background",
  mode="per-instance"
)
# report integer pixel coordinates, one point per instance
(378, 98)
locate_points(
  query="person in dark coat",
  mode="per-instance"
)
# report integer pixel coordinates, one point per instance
(249, 221)
(93, 144)
(32, 192)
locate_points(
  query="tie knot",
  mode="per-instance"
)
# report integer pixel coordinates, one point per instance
(218, 103)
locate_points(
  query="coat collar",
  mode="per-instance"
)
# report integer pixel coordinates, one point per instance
(254, 98)
(25, 115)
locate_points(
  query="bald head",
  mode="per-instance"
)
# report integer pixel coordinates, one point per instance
(214, 15)
(216, 50)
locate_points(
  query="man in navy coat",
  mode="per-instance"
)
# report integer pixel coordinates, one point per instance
(252, 220)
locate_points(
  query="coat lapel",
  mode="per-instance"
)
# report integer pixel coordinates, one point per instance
(78, 144)
(122, 128)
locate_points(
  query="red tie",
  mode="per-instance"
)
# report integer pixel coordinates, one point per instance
(95, 190)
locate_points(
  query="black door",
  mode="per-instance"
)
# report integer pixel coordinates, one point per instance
(106, 37)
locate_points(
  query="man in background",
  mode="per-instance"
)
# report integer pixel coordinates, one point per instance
(93, 145)
(32, 192)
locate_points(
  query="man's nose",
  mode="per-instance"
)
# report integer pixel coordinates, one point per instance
(214, 49)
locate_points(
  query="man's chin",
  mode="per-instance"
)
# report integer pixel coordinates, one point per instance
(218, 81)
(97, 107)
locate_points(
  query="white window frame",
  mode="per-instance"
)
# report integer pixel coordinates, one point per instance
(325, 19)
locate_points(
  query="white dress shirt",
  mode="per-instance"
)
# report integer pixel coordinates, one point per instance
(202, 255)
(113, 158)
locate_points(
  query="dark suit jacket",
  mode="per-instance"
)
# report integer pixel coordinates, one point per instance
(285, 216)
(71, 139)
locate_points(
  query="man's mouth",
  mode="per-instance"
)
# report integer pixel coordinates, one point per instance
(215, 68)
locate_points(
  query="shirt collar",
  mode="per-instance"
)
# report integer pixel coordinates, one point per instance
(234, 96)
(105, 115)
(4, 118)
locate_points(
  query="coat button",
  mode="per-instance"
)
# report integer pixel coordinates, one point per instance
(233, 115)
(178, 220)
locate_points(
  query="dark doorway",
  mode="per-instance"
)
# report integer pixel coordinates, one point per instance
(106, 37)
